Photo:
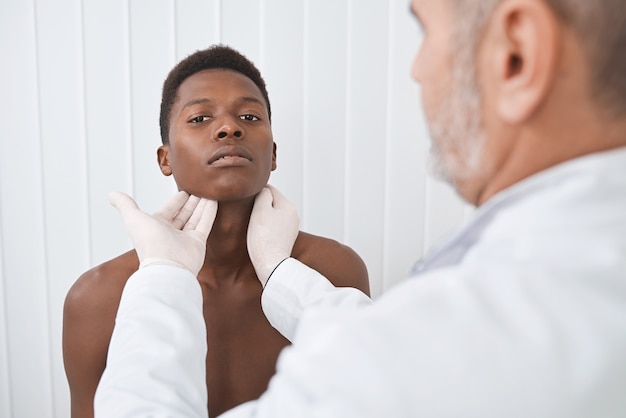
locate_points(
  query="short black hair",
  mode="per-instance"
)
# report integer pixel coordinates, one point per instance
(214, 57)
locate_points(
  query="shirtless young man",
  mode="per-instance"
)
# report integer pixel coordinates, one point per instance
(217, 143)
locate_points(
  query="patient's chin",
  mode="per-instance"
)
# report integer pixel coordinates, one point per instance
(228, 198)
(224, 190)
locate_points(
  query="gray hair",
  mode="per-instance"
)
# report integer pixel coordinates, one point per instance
(599, 24)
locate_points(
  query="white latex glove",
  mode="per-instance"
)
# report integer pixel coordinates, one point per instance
(174, 235)
(272, 231)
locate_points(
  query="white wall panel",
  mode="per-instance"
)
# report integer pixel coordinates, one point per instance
(283, 70)
(62, 127)
(241, 27)
(365, 161)
(24, 262)
(151, 43)
(79, 107)
(197, 24)
(325, 95)
(7, 32)
(5, 380)
(108, 113)
(405, 177)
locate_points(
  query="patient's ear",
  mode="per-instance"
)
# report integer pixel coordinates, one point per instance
(274, 158)
(163, 157)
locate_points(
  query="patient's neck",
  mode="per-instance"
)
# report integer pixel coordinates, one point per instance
(226, 247)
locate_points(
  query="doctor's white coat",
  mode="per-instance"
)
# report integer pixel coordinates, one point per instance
(521, 314)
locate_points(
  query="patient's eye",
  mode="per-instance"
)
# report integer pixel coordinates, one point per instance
(199, 119)
(249, 117)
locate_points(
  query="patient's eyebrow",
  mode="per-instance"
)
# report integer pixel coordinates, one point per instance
(197, 101)
(251, 99)
(203, 100)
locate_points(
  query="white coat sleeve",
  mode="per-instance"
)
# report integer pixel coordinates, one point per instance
(294, 288)
(458, 342)
(316, 375)
(156, 358)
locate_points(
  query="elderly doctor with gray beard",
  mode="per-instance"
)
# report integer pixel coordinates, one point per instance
(521, 314)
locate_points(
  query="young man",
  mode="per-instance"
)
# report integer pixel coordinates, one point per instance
(217, 143)
(523, 312)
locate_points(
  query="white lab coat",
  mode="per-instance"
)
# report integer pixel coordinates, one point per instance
(156, 359)
(520, 314)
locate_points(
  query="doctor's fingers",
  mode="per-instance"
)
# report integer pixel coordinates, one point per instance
(279, 201)
(183, 215)
(283, 205)
(263, 200)
(123, 203)
(202, 218)
(172, 206)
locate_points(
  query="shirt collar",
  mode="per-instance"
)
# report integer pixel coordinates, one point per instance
(452, 251)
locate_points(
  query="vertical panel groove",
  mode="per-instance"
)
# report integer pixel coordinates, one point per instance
(85, 142)
(48, 336)
(218, 21)
(305, 109)
(262, 7)
(347, 133)
(173, 29)
(388, 105)
(6, 366)
(130, 166)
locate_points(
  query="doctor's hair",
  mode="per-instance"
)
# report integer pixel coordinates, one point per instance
(600, 25)
(215, 57)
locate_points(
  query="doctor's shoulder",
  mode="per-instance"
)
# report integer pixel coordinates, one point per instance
(337, 262)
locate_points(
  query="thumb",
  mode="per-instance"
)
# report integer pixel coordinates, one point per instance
(264, 198)
(278, 199)
(203, 217)
(122, 202)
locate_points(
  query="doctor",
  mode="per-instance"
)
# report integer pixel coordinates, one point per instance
(521, 314)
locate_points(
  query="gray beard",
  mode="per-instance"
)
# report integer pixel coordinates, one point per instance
(456, 129)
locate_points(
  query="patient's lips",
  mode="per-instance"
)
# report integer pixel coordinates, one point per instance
(230, 160)
(230, 156)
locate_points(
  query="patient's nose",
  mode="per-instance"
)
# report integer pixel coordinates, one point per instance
(228, 129)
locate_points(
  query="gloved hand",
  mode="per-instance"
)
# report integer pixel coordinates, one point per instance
(175, 235)
(272, 231)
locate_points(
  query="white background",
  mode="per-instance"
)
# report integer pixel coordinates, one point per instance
(80, 85)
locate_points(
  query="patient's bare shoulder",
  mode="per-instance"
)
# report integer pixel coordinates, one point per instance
(88, 320)
(97, 288)
(337, 262)
(94, 297)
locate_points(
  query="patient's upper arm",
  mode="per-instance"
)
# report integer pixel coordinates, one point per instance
(88, 320)
(337, 262)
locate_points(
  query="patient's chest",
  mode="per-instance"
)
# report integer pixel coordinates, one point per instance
(242, 345)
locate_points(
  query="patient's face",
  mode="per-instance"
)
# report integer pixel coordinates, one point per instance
(220, 138)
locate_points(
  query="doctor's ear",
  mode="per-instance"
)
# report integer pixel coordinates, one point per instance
(523, 57)
(163, 158)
